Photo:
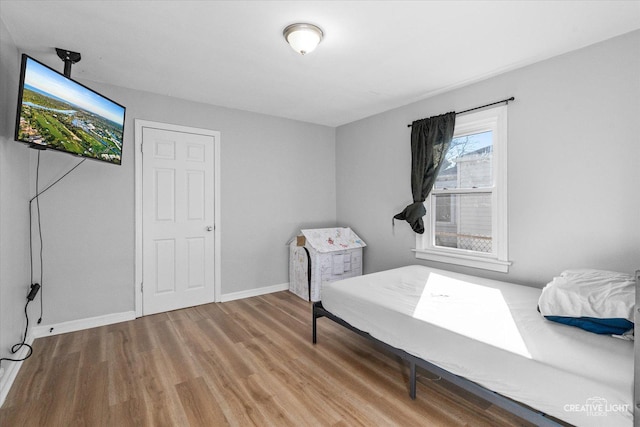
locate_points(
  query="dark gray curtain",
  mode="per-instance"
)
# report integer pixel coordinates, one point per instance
(430, 139)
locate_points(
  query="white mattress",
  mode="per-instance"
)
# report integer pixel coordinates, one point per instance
(491, 333)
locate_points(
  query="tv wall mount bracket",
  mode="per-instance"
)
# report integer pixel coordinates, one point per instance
(69, 58)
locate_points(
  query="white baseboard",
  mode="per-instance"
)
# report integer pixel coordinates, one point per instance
(81, 324)
(254, 292)
(10, 370)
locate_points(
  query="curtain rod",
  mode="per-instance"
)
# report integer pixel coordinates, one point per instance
(482, 106)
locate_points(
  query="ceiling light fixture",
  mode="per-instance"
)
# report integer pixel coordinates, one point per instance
(303, 38)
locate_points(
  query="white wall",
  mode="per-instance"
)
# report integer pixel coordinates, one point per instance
(277, 176)
(14, 190)
(573, 165)
(573, 155)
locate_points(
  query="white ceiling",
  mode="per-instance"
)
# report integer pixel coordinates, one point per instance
(376, 55)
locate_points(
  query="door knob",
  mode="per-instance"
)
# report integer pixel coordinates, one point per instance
(209, 228)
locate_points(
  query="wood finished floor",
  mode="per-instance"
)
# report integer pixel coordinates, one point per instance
(239, 363)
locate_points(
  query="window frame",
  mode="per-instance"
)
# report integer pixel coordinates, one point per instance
(495, 120)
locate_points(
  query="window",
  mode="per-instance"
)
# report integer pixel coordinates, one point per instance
(466, 221)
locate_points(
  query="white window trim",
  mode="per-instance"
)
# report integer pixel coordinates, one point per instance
(494, 119)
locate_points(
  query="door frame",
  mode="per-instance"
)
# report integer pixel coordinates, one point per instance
(138, 225)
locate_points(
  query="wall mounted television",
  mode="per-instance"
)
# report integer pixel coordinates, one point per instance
(56, 112)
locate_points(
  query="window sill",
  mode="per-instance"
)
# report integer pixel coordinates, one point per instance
(464, 260)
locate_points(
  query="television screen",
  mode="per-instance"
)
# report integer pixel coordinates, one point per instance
(59, 113)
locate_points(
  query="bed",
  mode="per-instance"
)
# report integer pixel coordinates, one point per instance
(488, 337)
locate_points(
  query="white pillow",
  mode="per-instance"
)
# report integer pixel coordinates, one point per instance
(589, 293)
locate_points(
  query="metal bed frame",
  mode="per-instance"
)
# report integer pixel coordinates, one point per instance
(516, 408)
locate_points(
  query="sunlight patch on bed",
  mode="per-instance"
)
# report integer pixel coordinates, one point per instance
(475, 311)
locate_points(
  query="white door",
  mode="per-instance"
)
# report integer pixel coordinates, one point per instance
(178, 219)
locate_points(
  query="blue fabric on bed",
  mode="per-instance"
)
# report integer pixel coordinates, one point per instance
(598, 326)
(597, 301)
